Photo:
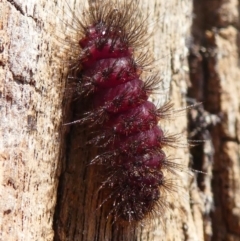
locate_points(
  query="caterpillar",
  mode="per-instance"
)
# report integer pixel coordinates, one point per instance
(112, 81)
(130, 142)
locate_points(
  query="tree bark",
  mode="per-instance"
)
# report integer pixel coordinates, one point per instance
(31, 96)
(214, 64)
(48, 191)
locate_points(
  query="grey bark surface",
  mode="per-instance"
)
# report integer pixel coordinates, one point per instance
(31, 97)
(47, 190)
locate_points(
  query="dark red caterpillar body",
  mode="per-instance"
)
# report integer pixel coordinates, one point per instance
(129, 139)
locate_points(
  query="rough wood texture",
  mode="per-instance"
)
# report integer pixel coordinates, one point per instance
(36, 152)
(215, 81)
(30, 92)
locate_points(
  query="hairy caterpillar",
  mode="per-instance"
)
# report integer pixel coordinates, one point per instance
(111, 80)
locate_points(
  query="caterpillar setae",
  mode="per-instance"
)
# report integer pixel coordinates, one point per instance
(112, 73)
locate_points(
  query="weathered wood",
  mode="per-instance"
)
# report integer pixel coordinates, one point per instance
(215, 81)
(31, 96)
